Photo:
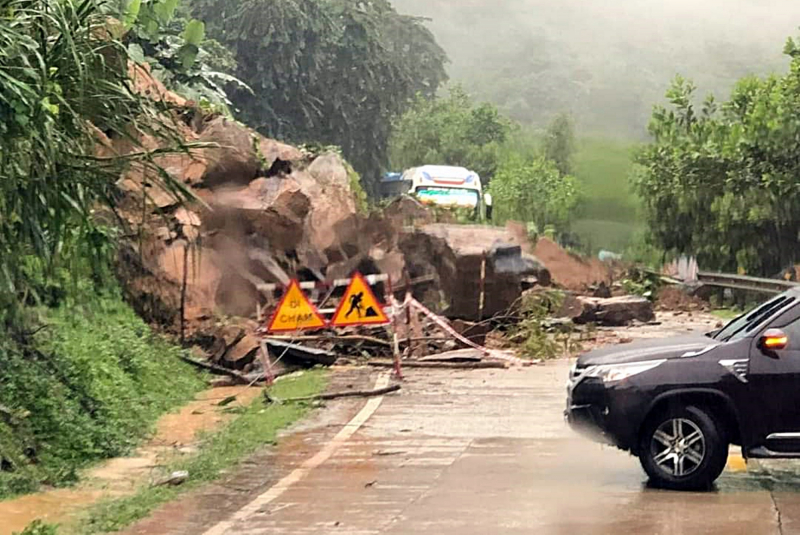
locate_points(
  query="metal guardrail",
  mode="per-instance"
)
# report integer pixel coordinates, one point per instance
(743, 282)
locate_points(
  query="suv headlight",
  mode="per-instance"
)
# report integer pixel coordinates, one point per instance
(614, 373)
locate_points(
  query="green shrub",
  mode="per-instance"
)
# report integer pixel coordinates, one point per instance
(533, 191)
(37, 527)
(87, 386)
(532, 333)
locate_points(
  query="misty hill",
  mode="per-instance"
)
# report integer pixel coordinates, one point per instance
(606, 65)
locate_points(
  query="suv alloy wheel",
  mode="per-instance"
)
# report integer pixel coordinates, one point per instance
(683, 449)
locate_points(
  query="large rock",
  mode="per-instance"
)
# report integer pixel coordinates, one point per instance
(235, 160)
(406, 211)
(293, 223)
(272, 151)
(332, 224)
(147, 85)
(614, 312)
(454, 256)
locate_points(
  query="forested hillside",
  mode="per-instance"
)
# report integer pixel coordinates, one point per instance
(605, 63)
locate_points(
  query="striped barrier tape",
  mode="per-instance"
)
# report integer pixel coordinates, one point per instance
(441, 322)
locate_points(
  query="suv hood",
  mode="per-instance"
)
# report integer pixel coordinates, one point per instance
(663, 348)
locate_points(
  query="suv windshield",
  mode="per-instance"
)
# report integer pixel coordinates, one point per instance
(746, 323)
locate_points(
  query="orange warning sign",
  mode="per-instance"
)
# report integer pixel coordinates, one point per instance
(295, 312)
(359, 306)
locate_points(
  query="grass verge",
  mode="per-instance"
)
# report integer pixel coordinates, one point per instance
(609, 218)
(89, 385)
(256, 426)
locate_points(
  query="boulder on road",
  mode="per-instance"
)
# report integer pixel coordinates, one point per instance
(613, 312)
(454, 255)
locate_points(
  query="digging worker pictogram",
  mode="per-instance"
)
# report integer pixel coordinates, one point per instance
(356, 305)
(359, 306)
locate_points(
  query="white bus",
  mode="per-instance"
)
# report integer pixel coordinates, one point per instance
(447, 186)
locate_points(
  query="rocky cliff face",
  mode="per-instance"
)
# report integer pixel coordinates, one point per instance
(260, 212)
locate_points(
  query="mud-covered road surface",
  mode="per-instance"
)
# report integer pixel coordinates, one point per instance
(479, 452)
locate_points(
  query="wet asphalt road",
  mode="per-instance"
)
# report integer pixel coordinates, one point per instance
(483, 452)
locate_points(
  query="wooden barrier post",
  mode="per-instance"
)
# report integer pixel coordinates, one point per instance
(398, 372)
(409, 341)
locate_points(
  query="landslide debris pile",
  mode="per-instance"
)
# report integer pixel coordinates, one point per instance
(267, 212)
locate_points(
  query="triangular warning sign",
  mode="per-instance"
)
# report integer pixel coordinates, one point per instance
(359, 306)
(295, 312)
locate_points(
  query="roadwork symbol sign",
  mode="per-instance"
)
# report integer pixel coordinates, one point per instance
(359, 306)
(295, 312)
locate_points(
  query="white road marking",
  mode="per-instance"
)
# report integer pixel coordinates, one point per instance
(299, 473)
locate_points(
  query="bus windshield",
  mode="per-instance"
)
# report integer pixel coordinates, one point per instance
(448, 196)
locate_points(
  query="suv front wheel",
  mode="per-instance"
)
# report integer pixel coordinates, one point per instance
(683, 449)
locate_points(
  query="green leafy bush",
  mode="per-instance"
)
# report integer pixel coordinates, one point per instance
(719, 180)
(178, 52)
(534, 336)
(62, 73)
(643, 283)
(37, 527)
(533, 191)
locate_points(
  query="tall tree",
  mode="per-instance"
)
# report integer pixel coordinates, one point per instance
(721, 182)
(533, 191)
(450, 131)
(327, 71)
(559, 143)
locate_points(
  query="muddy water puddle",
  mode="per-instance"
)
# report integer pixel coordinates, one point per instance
(175, 434)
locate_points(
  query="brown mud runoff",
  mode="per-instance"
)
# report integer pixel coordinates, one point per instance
(176, 434)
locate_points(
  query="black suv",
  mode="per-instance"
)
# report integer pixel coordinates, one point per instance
(678, 403)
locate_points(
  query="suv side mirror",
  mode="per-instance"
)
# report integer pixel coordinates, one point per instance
(774, 340)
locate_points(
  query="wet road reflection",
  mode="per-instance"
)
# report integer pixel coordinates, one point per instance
(481, 452)
(488, 452)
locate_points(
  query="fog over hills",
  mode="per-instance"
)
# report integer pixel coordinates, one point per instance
(604, 61)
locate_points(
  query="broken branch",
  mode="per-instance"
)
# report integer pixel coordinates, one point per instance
(352, 394)
(238, 377)
(441, 365)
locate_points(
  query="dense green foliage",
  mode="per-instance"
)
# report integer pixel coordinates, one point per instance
(533, 336)
(256, 426)
(535, 192)
(86, 386)
(720, 181)
(60, 69)
(176, 48)
(450, 130)
(332, 71)
(37, 527)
